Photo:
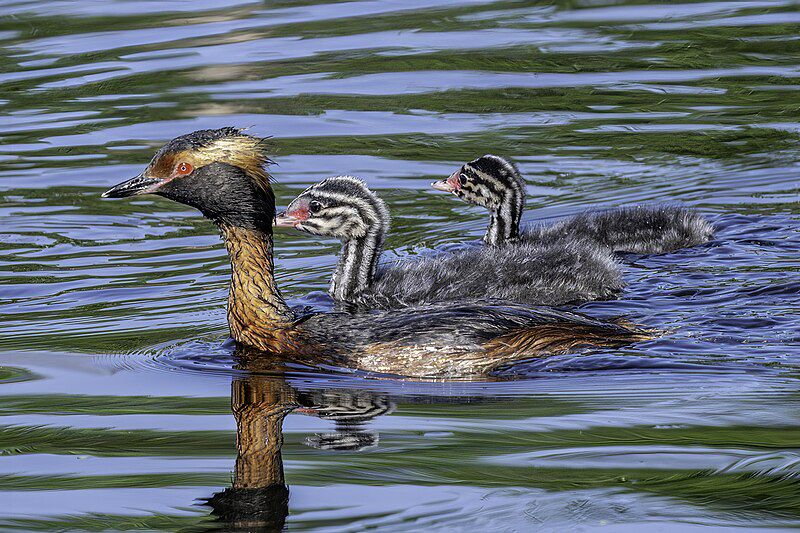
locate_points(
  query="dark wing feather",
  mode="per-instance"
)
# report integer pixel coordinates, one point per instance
(462, 339)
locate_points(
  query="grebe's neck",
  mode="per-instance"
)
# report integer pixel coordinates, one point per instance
(257, 314)
(355, 271)
(505, 218)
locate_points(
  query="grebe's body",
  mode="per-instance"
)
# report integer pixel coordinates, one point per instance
(221, 173)
(553, 271)
(497, 185)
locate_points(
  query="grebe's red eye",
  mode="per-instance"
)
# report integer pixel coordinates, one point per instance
(183, 169)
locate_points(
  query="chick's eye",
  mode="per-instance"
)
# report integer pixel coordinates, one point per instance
(184, 168)
(314, 206)
(462, 178)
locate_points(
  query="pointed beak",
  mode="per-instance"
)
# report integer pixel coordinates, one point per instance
(138, 185)
(451, 184)
(282, 220)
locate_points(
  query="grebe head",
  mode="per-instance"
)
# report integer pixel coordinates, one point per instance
(220, 172)
(488, 181)
(341, 207)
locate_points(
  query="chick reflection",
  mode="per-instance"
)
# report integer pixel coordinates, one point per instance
(258, 499)
(350, 412)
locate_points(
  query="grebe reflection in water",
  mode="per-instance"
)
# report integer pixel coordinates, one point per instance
(258, 499)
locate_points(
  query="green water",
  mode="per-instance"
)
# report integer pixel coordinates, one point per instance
(121, 401)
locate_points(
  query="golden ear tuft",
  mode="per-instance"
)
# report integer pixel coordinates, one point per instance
(243, 151)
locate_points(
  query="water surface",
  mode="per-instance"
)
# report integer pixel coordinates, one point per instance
(122, 402)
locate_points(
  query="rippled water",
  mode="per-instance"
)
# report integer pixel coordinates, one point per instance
(121, 401)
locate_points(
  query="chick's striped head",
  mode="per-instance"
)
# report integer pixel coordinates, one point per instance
(341, 207)
(488, 181)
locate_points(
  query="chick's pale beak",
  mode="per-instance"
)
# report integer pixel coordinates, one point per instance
(451, 184)
(442, 185)
(138, 185)
(282, 220)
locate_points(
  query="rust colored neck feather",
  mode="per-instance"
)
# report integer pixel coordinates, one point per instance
(259, 407)
(257, 314)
